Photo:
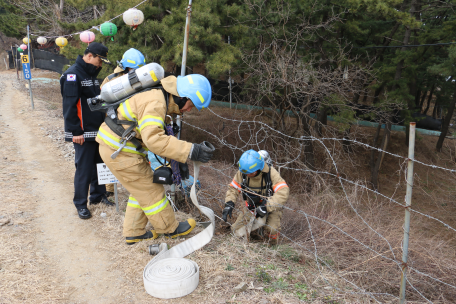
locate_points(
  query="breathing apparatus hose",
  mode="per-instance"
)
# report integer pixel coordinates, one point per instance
(168, 275)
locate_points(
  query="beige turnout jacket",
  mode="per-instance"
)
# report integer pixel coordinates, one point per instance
(279, 187)
(116, 70)
(149, 110)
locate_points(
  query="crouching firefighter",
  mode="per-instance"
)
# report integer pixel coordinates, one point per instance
(141, 119)
(264, 193)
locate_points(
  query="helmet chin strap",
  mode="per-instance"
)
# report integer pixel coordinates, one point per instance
(180, 101)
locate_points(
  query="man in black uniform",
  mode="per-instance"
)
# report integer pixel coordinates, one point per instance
(77, 84)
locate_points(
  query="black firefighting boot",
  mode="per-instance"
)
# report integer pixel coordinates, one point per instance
(149, 235)
(184, 228)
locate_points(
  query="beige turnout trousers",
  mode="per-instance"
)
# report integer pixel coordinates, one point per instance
(271, 229)
(147, 200)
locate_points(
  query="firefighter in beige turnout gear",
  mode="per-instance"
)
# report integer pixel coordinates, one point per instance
(149, 109)
(131, 59)
(264, 193)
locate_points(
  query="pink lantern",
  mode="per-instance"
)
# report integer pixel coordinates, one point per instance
(87, 36)
(23, 46)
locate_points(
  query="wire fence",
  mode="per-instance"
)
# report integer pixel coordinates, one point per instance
(345, 218)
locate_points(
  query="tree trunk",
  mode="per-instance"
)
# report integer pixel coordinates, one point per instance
(381, 155)
(446, 124)
(95, 12)
(346, 143)
(436, 106)
(423, 98)
(309, 158)
(374, 144)
(322, 119)
(429, 99)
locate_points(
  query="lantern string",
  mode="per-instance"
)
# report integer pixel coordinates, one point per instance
(93, 27)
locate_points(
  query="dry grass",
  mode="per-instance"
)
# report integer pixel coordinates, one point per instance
(288, 273)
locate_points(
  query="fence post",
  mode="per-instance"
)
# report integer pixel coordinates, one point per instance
(408, 203)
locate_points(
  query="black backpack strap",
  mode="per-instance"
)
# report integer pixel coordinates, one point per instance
(116, 127)
(243, 184)
(110, 77)
(268, 180)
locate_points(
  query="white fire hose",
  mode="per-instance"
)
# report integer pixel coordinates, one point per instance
(168, 275)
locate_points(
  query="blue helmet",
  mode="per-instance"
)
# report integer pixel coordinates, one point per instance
(251, 161)
(197, 88)
(132, 59)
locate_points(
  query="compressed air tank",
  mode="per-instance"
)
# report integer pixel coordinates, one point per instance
(142, 78)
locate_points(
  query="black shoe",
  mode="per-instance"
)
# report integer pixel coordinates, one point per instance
(84, 213)
(109, 193)
(149, 235)
(103, 200)
(184, 228)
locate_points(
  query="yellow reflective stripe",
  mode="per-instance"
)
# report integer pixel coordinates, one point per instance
(150, 120)
(126, 112)
(131, 61)
(152, 74)
(114, 143)
(156, 208)
(200, 96)
(132, 202)
(190, 79)
(253, 166)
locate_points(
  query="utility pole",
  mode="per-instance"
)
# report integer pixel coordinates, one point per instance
(29, 81)
(183, 68)
(229, 73)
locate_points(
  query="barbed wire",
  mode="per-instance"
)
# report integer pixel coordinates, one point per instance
(320, 260)
(324, 138)
(256, 138)
(232, 147)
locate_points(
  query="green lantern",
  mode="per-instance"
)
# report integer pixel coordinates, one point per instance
(108, 29)
(20, 50)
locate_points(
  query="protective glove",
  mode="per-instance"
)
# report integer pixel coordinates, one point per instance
(228, 210)
(261, 211)
(202, 152)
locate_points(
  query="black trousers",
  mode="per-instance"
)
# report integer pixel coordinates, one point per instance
(86, 158)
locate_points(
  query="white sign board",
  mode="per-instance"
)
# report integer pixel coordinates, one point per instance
(105, 176)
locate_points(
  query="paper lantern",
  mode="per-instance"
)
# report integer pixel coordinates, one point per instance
(133, 17)
(87, 36)
(26, 40)
(61, 42)
(41, 40)
(23, 46)
(20, 50)
(108, 29)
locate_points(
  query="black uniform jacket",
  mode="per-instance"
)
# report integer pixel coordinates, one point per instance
(77, 84)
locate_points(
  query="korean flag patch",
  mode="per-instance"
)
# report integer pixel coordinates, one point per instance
(71, 77)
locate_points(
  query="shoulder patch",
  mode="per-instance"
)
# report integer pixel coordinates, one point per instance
(71, 77)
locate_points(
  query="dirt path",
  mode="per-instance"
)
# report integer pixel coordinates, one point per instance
(64, 240)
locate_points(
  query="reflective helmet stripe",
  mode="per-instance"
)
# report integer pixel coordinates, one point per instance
(131, 61)
(190, 79)
(253, 166)
(200, 96)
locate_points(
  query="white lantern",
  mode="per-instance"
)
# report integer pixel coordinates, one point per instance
(41, 40)
(133, 17)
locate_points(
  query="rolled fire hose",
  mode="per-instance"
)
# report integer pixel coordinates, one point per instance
(168, 275)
